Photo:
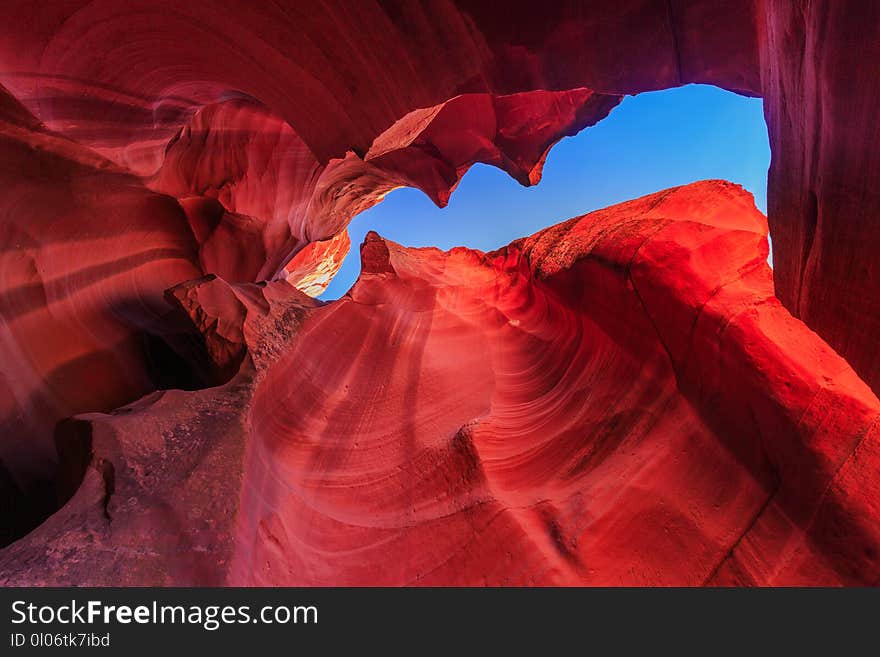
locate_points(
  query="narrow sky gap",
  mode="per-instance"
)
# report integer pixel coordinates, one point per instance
(649, 142)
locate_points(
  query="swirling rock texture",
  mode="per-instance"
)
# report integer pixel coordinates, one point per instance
(628, 397)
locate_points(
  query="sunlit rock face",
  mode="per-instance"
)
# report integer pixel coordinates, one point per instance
(560, 412)
(626, 397)
(619, 399)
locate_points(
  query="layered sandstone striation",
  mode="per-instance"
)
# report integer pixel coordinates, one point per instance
(627, 397)
(619, 399)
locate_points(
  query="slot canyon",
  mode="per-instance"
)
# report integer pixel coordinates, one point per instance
(629, 397)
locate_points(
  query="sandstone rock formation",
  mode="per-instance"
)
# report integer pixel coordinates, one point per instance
(627, 397)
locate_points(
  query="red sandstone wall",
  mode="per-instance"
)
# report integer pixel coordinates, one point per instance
(146, 144)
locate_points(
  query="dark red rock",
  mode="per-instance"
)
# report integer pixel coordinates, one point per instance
(819, 76)
(86, 252)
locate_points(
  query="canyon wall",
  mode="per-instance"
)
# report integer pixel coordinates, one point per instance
(628, 397)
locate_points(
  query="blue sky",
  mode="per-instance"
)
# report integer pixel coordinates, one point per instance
(649, 142)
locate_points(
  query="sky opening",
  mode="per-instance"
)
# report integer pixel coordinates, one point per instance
(649, 142)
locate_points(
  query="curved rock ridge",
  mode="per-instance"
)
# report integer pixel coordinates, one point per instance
(256, 196)
(618, 399)
(91, 247)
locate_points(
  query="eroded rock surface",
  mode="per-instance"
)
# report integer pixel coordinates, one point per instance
(619, 399)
